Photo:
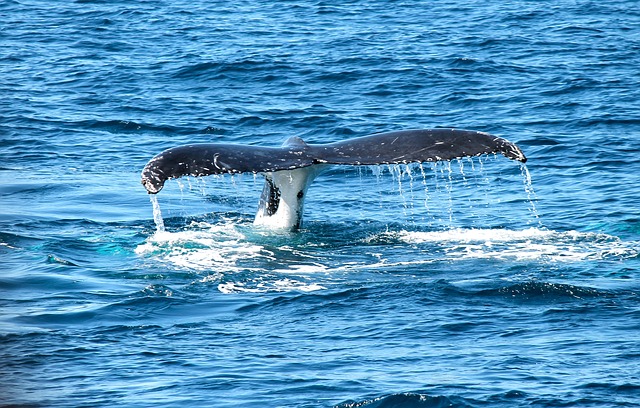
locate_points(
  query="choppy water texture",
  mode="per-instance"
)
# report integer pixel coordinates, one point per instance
(455, 284)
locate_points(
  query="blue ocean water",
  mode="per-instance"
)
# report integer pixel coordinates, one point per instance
(475, 283)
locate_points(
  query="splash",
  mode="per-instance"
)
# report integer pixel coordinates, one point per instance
(203, 247)
(233, 257)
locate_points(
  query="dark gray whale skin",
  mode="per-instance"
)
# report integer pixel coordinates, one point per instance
(405, 146)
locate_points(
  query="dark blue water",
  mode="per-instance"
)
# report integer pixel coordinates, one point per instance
(456, 284)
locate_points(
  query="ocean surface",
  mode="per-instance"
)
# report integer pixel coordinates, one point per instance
(479, 282)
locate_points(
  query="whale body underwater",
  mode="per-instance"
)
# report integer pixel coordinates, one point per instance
(290, 169)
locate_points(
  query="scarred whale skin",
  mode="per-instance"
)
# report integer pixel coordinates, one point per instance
(290, 169)
(405, 146)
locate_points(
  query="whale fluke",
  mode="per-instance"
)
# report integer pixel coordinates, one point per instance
(413, 146)
(291, 168)
(213, 158)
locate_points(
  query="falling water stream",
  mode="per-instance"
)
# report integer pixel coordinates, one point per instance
(404, 177)
(157, 213)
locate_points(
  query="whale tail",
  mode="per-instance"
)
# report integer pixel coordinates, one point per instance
(290, 169)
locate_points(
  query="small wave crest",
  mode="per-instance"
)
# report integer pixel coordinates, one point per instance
(409, 400)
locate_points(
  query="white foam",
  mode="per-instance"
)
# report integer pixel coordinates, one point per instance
(468, 235)
(240, 259)
(227, 256)
(202, 246)
(527, 244)
(279, 285)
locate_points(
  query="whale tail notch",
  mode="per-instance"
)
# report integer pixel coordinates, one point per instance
(290, 169)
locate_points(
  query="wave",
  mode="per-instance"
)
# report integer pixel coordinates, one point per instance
(544, 291)
(241, 68)
(125, 126)
(601, 395)
(410, 400)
